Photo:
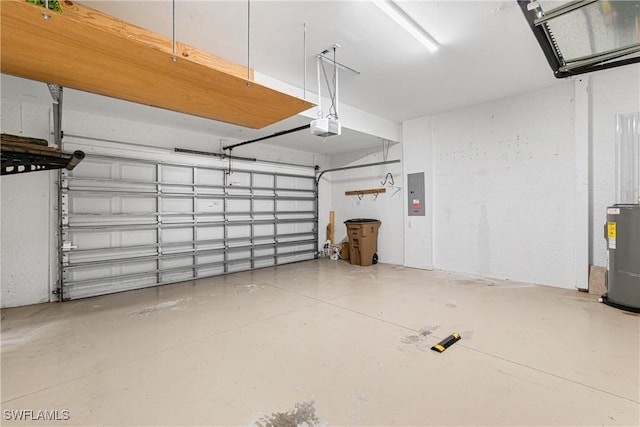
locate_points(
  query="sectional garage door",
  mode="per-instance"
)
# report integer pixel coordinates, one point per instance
(132, 223)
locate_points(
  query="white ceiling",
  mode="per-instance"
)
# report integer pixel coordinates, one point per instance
(487, 52)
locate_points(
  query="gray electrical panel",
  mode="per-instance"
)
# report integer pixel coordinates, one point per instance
(415, 195)
(622, 232)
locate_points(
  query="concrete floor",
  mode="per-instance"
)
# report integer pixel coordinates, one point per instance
(327, 343)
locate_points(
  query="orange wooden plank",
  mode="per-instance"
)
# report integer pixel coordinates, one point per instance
(107, 23)
(363, 192)
(90, 51)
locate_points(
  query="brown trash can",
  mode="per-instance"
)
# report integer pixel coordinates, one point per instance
(344, 251)
(363, 240)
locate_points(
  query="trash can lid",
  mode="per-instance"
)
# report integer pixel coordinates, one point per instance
(361, 220)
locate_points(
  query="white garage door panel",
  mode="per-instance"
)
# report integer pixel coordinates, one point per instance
(238, 231)
(92, 239)
(91, 204)
(210, 177)
(294, 228)
(239, 179)
(261, 252)
(208, 232)
(173, 235)
(177, 174)
(184, 261)
(88, 289)
(209, 205)
(130, 223)
(263, 205)
(239, 206)
(101, 273)
(261, 180)
(263, 230)
(211, 258)
(136, 172)
(137, 205)
(292, 182)
(239, 254)
(171, 205)
(95, 256)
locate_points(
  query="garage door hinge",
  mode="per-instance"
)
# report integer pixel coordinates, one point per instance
(57, 291)
(67, 246)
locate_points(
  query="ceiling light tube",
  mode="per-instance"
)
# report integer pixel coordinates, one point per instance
(393, 11)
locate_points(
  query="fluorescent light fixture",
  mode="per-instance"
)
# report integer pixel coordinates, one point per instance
(396, 13)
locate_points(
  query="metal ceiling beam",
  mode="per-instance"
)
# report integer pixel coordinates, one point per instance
(56, 94)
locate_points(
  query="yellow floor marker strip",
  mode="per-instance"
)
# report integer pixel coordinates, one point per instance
(446, 343)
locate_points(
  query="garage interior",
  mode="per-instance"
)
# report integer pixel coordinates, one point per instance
(191, 193)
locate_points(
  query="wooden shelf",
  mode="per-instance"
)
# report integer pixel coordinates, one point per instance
(363, 192)
(87, 50)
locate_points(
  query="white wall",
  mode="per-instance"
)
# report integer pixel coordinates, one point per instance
(387, 207)
(509, 179)
(418, 157)
(504, 179)
(26, 217)
(25, 239)
(613, 92)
